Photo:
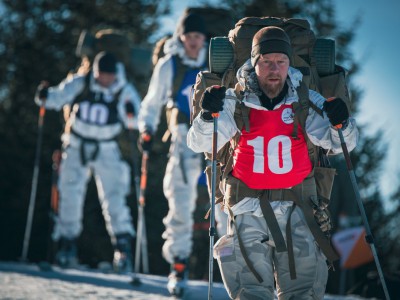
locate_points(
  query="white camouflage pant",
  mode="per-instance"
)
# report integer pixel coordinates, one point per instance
(112, 179)
(239, 281)
(180, 188)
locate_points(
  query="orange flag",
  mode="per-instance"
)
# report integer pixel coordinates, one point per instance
(352, 247)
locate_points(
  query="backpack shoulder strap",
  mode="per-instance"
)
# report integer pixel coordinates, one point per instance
(85, 90)
(178, 75)
(241, 117)
(301, 109)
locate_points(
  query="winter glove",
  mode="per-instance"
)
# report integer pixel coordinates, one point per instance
(212, 101)
(145, 141)
(130, 113)
(42, 90)
(129, 108)
(336, 110)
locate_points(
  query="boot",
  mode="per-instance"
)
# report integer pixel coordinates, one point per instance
(123, 260)
(178, 277)
(67, 256)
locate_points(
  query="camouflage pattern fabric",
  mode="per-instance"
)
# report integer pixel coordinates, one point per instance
(240, 282)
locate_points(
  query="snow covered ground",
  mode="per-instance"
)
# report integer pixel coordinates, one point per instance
(27, 281)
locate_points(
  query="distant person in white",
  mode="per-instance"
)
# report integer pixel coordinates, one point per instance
(171, 82)
(99, 101)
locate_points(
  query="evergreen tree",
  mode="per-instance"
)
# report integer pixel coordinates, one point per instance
(38, 40)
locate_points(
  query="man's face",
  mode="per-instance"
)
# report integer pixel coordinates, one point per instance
(193, 42)
(105, 79)
(271, 70)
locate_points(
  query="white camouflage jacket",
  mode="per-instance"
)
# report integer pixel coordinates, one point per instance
(65, 93)
(318, 128)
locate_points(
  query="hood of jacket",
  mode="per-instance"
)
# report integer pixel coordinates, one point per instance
(247, 79)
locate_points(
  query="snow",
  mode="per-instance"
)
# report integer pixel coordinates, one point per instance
(27, 281)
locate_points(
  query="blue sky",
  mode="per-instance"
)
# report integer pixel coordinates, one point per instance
(377, 47)
(377, 40)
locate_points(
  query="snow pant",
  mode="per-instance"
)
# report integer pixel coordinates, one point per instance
(112, 179)
(180, 188)
(240, 282)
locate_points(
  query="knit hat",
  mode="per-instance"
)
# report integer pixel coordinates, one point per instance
(270, 39)
(192, 23)
(105, 62)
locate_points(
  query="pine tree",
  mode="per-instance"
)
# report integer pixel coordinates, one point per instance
(38, 40)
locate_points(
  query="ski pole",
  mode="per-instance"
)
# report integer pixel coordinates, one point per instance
(141, 238)
(368, 238)
(212, 215)
(32, 199)
(54, 200)
(56, 157)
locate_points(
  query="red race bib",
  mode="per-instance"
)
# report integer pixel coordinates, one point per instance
(268, 157)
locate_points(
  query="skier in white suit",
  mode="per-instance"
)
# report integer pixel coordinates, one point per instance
(100, 102)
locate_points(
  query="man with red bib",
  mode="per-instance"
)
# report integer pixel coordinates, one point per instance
(271, 238)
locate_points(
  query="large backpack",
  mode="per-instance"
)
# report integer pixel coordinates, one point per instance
(136, 59)
(314, 57)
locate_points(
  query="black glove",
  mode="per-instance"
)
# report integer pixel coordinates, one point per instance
(129, 108)
(336, 111)
(212, 100)
(42, 90)
(145, 141)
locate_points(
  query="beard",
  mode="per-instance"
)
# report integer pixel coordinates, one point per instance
(272, 90)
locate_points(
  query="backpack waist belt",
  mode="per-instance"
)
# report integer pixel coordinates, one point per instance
(86, 141)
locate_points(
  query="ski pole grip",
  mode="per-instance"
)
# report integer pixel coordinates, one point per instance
(42, 110)
(338, 126)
